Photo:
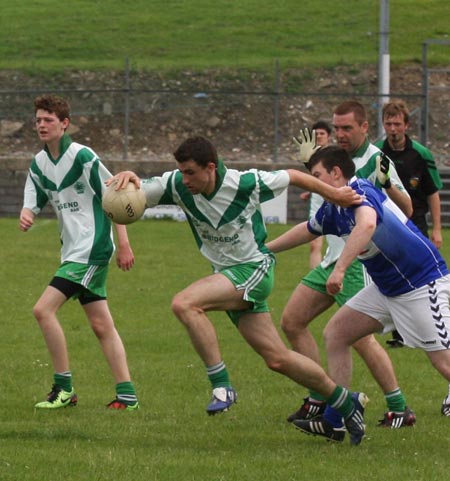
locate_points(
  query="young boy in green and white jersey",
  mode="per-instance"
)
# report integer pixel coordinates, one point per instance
(71, 178)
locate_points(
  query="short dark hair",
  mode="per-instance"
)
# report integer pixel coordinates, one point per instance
(350, 106)
(53, 104)
(396, 107)
(333, 156)
(198, 149)
(321, 124)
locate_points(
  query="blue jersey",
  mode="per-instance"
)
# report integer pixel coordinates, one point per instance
(399, 258)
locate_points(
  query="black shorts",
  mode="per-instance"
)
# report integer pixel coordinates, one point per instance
(77, 291)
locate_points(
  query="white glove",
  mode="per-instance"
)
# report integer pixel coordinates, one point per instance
(383, 170)
(306, 143)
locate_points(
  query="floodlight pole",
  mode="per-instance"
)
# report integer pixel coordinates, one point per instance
(383, 64)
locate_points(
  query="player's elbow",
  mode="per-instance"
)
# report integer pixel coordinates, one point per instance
(369, 226)
(366, 224)
(405, 204)
(409, 209)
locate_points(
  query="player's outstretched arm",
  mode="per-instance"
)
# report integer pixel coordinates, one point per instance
(26, 219)
(294, 237)
(343, 196)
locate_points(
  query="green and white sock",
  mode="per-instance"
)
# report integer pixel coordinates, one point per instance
(126, 393)
(341, 400)
(316, 396)
(63, 380)
(395, 401)
(218, 375)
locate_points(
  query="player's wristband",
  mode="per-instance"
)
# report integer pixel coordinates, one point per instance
(387, 184)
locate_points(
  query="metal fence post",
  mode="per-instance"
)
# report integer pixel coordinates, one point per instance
(424, 113)
(276, 109)
(126, 108)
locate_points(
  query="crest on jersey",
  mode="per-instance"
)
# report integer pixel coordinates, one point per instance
(79, 187)
(414, 182)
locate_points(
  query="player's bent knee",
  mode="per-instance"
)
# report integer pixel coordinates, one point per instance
(40, 313)
(101, 330)
(365, 344)
(276, 362)
(286, 325)
(178, 305)
(275, 365)
(181, 305)
(329, 336)
(292, 325)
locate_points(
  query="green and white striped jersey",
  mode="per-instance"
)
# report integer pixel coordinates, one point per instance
(73, 185)
(228, 224)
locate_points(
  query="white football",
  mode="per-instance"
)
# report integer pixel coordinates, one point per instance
(123, 206)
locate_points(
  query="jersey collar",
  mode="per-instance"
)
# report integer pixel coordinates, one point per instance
(64, 143)
(221, 171)
(362, 149)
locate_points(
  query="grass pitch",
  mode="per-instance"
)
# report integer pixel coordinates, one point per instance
(49, 35)
(171, 437)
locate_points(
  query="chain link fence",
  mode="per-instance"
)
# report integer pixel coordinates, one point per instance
(133, 115)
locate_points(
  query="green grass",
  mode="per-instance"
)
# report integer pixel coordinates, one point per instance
(171, 438)
(49, 35)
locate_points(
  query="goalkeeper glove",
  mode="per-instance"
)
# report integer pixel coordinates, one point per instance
(306, 143)
(383, 166)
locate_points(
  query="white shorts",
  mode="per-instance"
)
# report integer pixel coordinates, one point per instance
(422, 316)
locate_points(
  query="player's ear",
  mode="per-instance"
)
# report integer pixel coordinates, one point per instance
(365, 126)
(336, 173)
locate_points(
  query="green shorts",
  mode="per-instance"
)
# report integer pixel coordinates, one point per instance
(91, 278)
(354, 280)
(256, 280)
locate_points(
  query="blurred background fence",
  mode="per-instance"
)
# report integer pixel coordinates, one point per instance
(131, 114)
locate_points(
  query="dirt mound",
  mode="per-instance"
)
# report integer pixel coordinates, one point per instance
(249, 116)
